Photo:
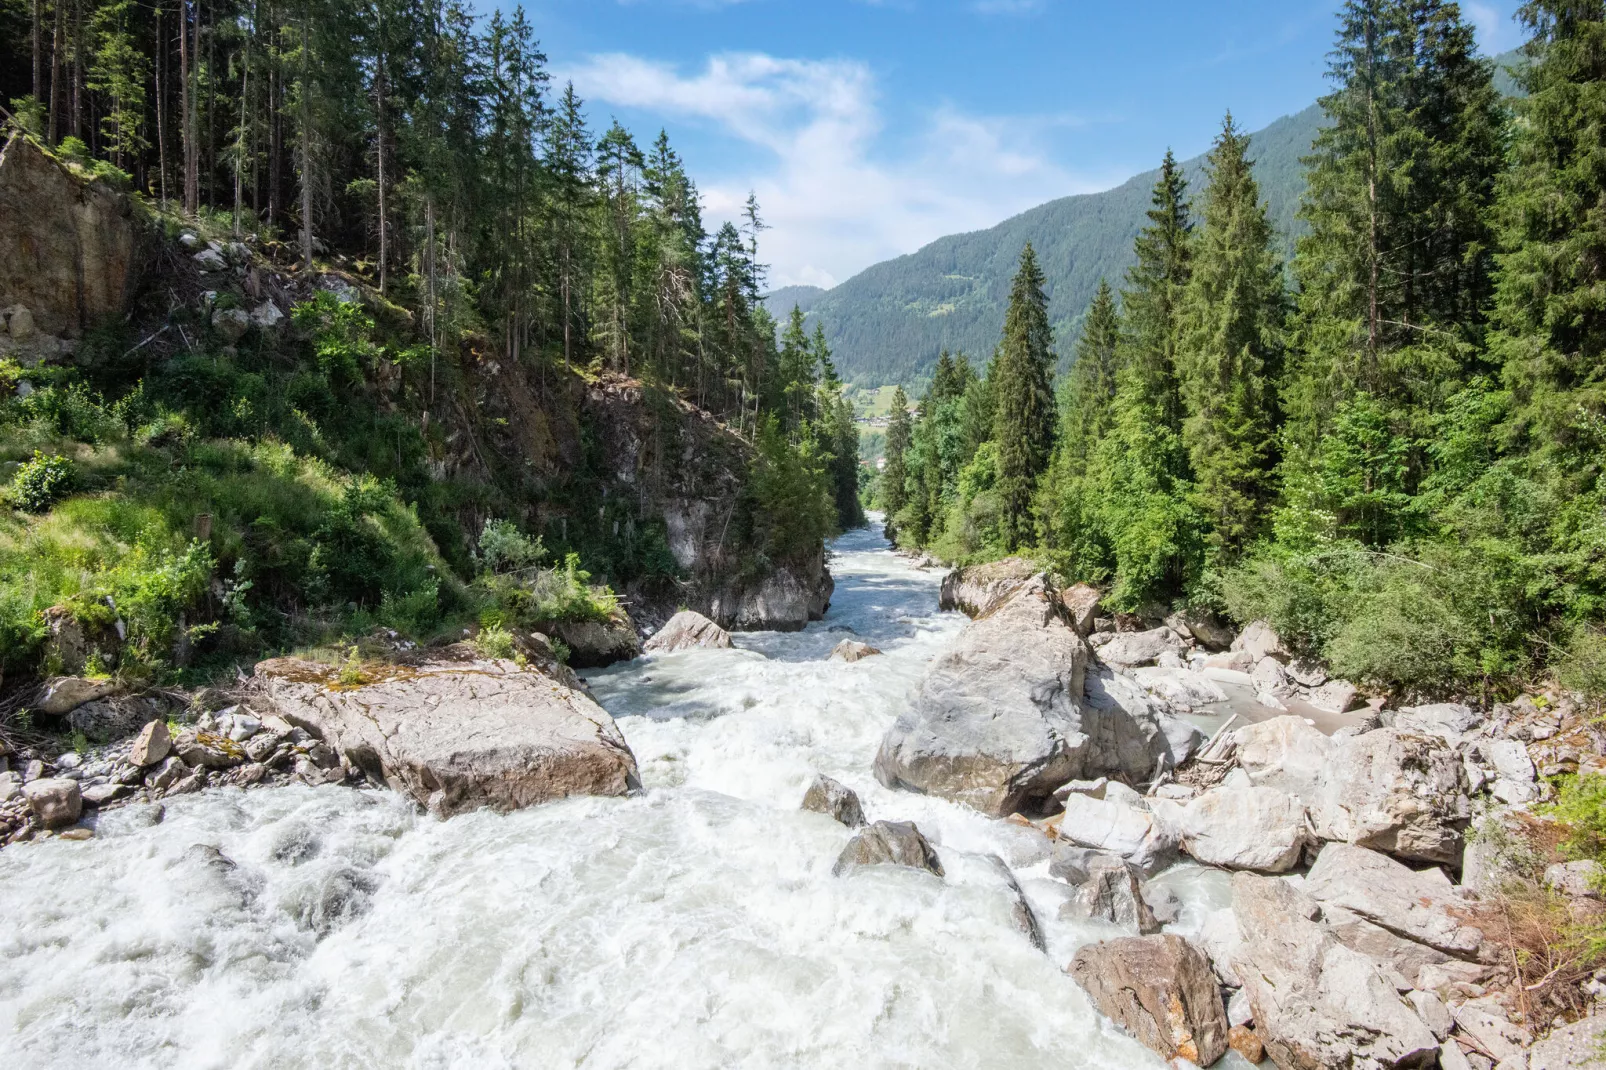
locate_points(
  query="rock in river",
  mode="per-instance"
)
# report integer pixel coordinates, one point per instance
(459, 735)
(686, 630)
(889, 843)
(1160, 989)
(834, 799)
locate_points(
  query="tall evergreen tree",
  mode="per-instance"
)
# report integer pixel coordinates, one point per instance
(1085, 408)
(1152, 299)
(893, 494)
(1023, 425)
(1231, 346)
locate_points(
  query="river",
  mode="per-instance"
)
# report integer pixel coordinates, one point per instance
(696, 924)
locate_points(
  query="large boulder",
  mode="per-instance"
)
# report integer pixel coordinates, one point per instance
(1127, 650)
(1082, 605)
(1418, 906)
(458, 735)
(686, 630)
(594, 644)
(1159, 989)
(1260, 641)
(784, 600)
(63, 694)
(1113, 893)
(1256, 828)
(1317, 1003)
(975, 589)
(1395, 791)
(1135, 832)
(1452, 720)
(54, 801)
(889, 843)
(68, 246)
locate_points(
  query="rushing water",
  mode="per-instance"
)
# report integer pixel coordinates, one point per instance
(694, 925)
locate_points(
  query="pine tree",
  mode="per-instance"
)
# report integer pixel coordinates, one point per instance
(1086, 407)
(1023, 426)
(1549, 313)
(1152, 299)
(797, 371)
(1231, 347)
(568, 172)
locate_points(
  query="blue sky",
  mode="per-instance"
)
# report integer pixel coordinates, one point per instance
(871, 127)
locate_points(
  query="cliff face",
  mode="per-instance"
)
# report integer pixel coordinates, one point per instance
(68, 250)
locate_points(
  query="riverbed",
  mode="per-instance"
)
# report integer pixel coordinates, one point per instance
(696, 924)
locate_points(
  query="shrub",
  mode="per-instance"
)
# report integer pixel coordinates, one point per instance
(503, 548)
(495, 642)
(42, 481)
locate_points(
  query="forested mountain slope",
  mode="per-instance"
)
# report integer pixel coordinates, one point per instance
(887, 324)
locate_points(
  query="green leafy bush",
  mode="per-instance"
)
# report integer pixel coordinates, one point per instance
(42, 481)
(503, 548)
(495, 642)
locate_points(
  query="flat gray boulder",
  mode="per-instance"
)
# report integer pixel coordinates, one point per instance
(1159, 989)
(1257, 828)
(1418, 906)
(458, 735)
(1128, 650)
(889, 843)
(688, 630)
(1316, 1002)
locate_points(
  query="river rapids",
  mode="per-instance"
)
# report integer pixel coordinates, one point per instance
(696, 924)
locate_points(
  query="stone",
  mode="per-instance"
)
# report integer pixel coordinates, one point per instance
(1316, 1002)
(1434, 1014)
(458, 735)
(101, 794)
(1163, 902)
(210, 260)
(1113, 893)
(267, 316)
(1243, 1040)
(688, 630)
(1071, 862)
(63, 694)
(207, 750)
(1419, 906)
(10, 787)
(1451, 1057)
(850, 650)
(1238, 1010)
(1256, 828)
(55, 801)
(1082, 606)
(1406, 957)
(237, 724)
(1231, 661)
(1259, 641)
(1130, 649)
(231, 323)
(33, 770)
(1510, 760)
(976, 589)
(69, 246)
(153, 743)
(1306, 673)
(18, 323)
(889, 843)
(1335, 696)
(115, 717)
(165, 774)
(1270, 679)
(1571, 1047)
(827, 796)
(1576, 879)
(1021, 913)
(596, 644)
(1485, 1021)
(783, 600)
(1110, 826)
(1177, 686)
(1159, 989)
(1451, 720)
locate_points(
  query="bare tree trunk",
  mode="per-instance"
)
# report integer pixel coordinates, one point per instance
(243, 141)
(78, 106)
(38, 51)
(379, 113)
(306, 145)
(57, 96)
(186, 101)
(161, 105)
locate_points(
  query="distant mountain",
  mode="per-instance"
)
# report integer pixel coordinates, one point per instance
(887, 324)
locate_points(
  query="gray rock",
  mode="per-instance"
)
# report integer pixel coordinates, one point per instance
(231, 323)
(976, 589)
(1256, 828)
(888, 843)
(1451, 1057)
(1571, 1047)
(836, 800)
(101, 794)
(784, 600)
(55, 801)
(1130, 649)
(595, 644)
(1146, 835)
(165, 774)
(686, 630)
(153, 743)
(10, 787)
(267, 316)
(1270, 679)
(1020, 911)
(1259, 641)
(1073, 863)
(1434, 1014)
(1159, 989)
(1512, 764)
(1307, 673)
(1238, 1010)
(850, 650)
(210, 260)
(1576, 879)
(1316, 1002)
(1113, 893)
(1165, 903)
(1410, 959)
(33, 770)
(1082, 605)
(63, 694)
(1451, 720)
(1419, 906)
(1202, 626)
(459, 735)
(1335, 696)
(207, 750)
(1485, 1020)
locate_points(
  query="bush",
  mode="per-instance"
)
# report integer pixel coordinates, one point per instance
(495, 642)
(42, 481)
(503, 548)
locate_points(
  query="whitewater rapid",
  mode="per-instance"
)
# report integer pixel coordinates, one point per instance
(694, 925)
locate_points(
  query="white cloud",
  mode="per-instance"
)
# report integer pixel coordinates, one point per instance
(834, 203)
(1497, 30)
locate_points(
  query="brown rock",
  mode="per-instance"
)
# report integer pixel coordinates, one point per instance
(889, 843)
(151, 745)
(1161, 990)
(55, 802)
(852, 650)
(67, 245)
(1082, 603)
(686, 630)
(459, 735)
(836, 800)
(1242, 1040)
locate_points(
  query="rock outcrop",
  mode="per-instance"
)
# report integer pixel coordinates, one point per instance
(1256, 828)
(1421, 907)
(975, 589)
(851, 650)
(784, 600)
(889, 843)
(1112, 892)
(686, 630)
(594, 644)
(1000, 720)
(458, 735)
(68, 248)
(1159, 989)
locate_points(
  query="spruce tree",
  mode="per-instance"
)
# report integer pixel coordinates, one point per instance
(1231, 347)
(1549, 313)
(893, 495)
(1023, 424)
(1085, 408)
(1152, 299)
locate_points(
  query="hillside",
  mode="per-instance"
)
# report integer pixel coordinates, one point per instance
(888, 323)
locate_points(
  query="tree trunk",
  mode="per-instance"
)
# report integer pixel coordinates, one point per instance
(306, 145)
(187, 134)
(78, 105)
(161, 107)
(38, 51)
(379, 114)
(57, 96)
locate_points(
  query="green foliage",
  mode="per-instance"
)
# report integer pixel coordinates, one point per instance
(1023, 425)
(503, 548)
(495, 642)
(42, 481)
(1581, 806)
(791, 499)
(1583, 667)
